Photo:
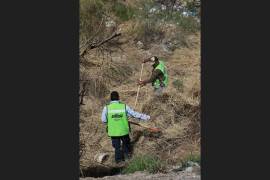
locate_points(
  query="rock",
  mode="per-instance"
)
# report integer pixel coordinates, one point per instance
(163, 7)
(139, 44)
(185, 13)
(110, 23)
(165, 48)
(196, 170)
(189, 169)
(152, 10)
(178, 7)
(176, 168)
(101, 157)
(191, 163)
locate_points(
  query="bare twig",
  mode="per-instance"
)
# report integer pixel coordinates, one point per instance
(98, 30)
(82, 93)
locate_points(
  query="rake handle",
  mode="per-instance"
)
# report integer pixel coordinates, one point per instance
(138, 124)
(138, 90)
(153, 129)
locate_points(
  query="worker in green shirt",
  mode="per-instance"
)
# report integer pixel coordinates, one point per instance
(115, 115)
(159, 77)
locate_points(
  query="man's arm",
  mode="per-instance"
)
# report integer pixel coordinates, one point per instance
(146, 60)
(155, 75)
(104, 115)
(131, 112)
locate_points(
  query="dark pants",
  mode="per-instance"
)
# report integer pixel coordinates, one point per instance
(121, 151)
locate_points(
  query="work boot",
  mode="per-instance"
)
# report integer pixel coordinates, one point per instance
(127, 157)
(119, 164)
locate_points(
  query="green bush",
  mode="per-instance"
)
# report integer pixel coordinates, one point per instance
(189, 24)
(178, 84)
(148, 28)
(149, 31)
(191, 158)
(151, 25)
(91, 13)
(149, 163)
(122, 11)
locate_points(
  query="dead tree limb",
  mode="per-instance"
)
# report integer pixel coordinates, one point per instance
(92, 46)
(82, 93)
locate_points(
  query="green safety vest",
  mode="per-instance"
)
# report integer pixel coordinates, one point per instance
(117, 121)
(162, 68)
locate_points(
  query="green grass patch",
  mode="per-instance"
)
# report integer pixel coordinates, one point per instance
(189, 24)
(192, 157)
(146, 162)
(122, 11)
(91, 13)
(150, 27)
(178, 84)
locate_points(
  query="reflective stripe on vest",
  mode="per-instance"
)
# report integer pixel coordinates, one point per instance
(162, 68)
(117, 119)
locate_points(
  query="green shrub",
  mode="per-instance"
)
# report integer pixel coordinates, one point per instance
(122, 11)
(189, 24)
(149, 31)
(178, 84)
(91, 13)
(148, 28)
(149, 163)
(151, 25)
(191, 158)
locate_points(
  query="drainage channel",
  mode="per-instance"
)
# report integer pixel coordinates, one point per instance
(100, 171)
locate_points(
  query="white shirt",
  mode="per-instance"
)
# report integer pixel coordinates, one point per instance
(129, 111)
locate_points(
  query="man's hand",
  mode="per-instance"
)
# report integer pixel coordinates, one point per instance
(145, 60)
(141, 83)
(162, 84)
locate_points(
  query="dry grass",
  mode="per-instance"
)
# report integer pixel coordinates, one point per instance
(177, 113)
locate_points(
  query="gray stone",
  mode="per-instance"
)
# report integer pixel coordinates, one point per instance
(101, 157)
(189, 169)
(110, 23)
(139, 44)
(163, 7)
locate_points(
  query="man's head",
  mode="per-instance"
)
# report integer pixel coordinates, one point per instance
(114, 96)
(154, 60)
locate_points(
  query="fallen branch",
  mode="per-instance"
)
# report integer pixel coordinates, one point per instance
(104, 41)
(93, 46)
(82, 93)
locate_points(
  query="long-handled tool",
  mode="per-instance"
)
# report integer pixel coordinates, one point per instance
(151, 129)
(138, 90)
